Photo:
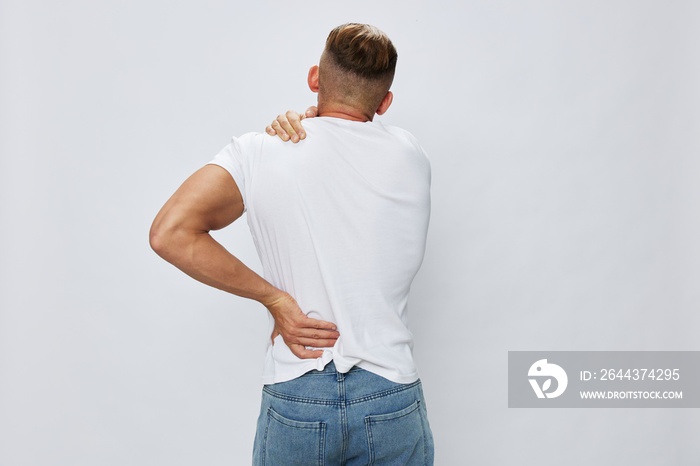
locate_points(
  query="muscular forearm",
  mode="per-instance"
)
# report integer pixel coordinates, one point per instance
(201, 257)
(204, 259)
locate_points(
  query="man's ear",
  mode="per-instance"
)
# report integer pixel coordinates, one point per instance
(385, 103)
(313, 78)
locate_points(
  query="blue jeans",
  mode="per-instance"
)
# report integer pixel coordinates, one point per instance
(329, 418)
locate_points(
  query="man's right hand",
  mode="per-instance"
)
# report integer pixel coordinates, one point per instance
(287, 126)
(298, 330)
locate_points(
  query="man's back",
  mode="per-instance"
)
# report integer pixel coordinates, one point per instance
(339, 222)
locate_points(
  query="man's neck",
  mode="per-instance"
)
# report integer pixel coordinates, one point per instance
(342, 111)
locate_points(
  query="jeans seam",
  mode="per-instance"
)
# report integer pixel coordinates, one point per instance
(322, 444)
(425, 437)
(383, 394)
(343, 415)
(298, 399)
(264, 444)
(370, 442)
(363, 399)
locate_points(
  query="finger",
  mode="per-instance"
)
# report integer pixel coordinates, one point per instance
(311, 112)
(269, 130)
(304, 353)
(287, 125)
(310, 337)
(280, 131)
(310, 322)
(295, 121)
(315, 333)
(317, 342)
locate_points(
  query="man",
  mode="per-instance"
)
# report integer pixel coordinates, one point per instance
(339, 221)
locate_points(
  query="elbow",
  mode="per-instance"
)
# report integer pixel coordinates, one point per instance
(172, 238)
(161, 237)
(171, 241)
(157, 239)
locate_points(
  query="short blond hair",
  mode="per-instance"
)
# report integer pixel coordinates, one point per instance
(357, 66)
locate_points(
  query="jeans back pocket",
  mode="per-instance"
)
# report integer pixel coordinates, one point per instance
(397, 438)
(292, 443)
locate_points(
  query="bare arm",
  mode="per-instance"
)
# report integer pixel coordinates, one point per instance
(210, 200)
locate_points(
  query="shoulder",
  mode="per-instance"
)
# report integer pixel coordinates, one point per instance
(249, 145)
(409, 140)
(249, 140)
(239, 151)
(402, 134)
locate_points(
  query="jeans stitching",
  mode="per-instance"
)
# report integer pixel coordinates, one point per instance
(264, 444)
(372, 420)
(385, 393)
(410, 409)
(320, 428)
(322, 444)
(343, 415)
(370, 442)
(425, 436)
(362, 399)
(297, 399)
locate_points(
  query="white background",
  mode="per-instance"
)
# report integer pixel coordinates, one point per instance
(564, 143)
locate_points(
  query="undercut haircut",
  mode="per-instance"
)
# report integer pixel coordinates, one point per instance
(357, 66)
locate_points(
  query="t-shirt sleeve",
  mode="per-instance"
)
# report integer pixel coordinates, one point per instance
(234, 160)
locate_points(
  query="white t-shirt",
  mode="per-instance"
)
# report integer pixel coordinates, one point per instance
(339, 221)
